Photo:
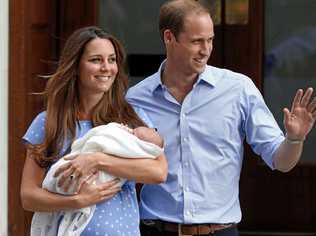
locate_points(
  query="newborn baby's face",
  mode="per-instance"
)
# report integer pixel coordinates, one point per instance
(144, 133)
(148, 135)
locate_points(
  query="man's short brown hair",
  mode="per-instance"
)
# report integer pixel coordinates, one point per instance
(172, 14)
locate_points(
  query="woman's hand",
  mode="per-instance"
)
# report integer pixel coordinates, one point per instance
(77, 169)
(91, 193)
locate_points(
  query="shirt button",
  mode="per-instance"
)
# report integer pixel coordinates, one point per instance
(186, 164)
(189, 213)
(187, 189)
(185, 139)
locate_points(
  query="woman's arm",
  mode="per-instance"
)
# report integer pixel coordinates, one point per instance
(34, 198)
(142, 170)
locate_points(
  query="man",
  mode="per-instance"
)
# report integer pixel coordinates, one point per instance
(204, 114)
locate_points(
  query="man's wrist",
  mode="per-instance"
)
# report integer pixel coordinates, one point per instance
(294, 140)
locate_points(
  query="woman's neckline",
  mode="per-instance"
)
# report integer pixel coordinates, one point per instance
(84, 121)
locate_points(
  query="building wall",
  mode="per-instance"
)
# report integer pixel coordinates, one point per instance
(4, 47)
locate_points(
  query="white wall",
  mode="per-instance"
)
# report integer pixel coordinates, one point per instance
(4, 78)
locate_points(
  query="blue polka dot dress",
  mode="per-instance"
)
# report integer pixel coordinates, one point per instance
(117, 216)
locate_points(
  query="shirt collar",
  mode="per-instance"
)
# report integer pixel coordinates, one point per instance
(208, 76)
(157, 83)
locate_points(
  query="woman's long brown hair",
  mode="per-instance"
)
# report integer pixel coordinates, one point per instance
(62, 97)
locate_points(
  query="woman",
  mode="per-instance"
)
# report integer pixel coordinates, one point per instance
(87, 90)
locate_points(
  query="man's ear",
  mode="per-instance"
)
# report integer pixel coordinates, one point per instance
(167, 36)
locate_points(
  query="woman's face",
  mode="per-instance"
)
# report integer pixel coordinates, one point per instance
(97, 68)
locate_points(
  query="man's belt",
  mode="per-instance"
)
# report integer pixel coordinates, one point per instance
(187, 229)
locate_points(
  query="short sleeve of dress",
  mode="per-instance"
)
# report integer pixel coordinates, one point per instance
(36, 132)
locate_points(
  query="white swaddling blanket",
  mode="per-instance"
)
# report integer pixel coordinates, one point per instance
(111, 139)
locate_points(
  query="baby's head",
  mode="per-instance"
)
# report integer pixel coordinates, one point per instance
(149, 135)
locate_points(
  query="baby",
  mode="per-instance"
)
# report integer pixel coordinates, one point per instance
(147, 134)
(114, 139)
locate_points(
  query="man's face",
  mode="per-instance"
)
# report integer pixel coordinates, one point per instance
(193, 46)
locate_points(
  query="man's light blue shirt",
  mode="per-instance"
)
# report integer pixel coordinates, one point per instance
(204, 144)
